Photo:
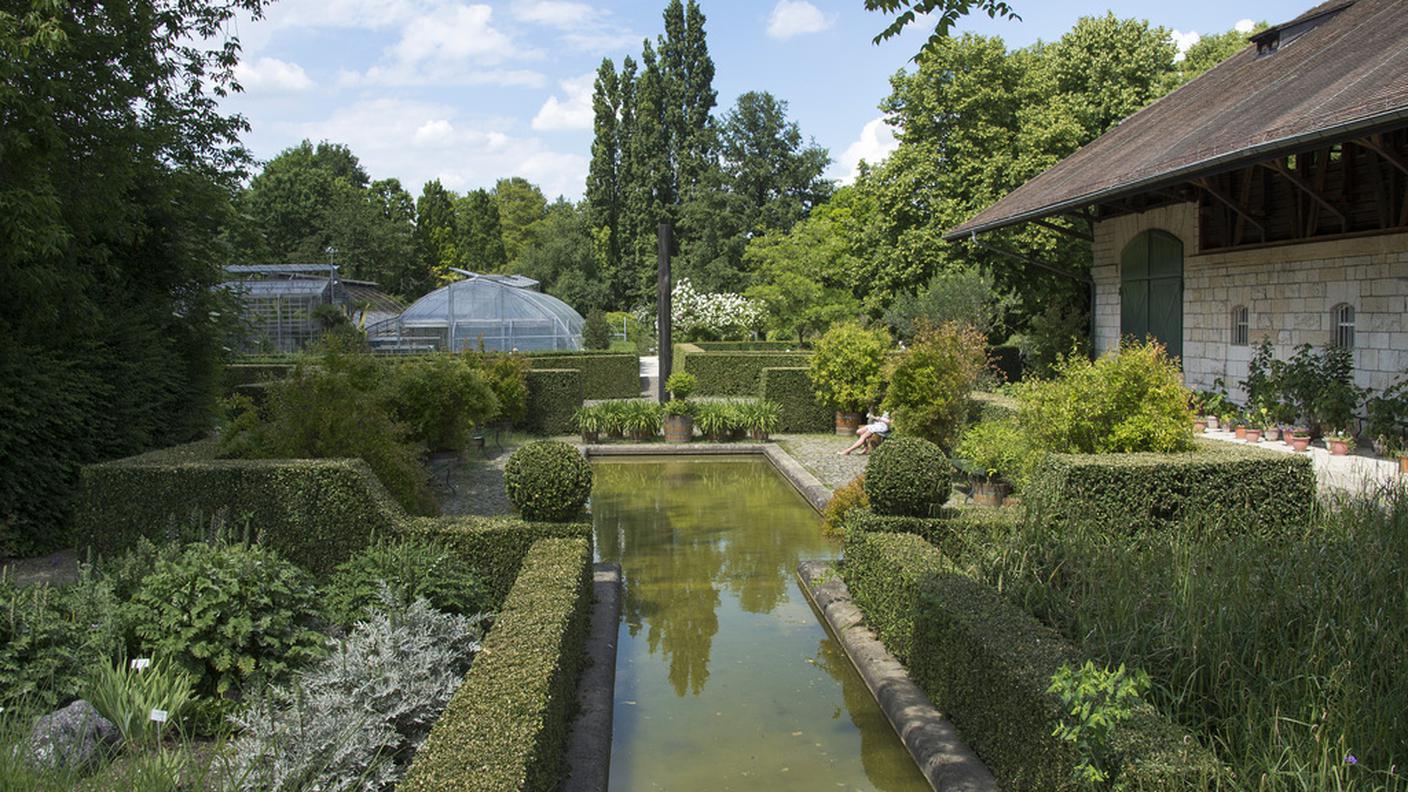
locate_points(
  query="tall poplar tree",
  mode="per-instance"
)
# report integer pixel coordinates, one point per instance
(479, 238)
(435, 228)
(603, 192)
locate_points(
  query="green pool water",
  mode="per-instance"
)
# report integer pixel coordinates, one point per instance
(725, 677)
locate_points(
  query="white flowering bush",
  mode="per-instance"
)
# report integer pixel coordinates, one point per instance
(699, 315)
(353, 720)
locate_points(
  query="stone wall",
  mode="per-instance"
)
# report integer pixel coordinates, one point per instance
(1289, 291)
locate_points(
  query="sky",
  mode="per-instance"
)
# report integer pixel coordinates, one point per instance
(471, 92)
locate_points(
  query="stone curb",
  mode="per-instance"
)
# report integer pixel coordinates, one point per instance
(589, 745)
(933, 743)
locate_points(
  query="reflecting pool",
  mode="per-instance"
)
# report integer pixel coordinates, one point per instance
(725, 677)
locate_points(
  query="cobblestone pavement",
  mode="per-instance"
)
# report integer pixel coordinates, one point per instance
(818, 454)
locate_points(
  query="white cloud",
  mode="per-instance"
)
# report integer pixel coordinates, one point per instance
(454, 32)
(441, 74)
(601, 41)
(876, 141)
(794, 18)
(555, 13)
(1244, 26)
(272, 75)
(1184, 42)
(573, 112)
(418, 141)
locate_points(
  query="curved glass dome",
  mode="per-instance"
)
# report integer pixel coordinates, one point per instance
(500, 311)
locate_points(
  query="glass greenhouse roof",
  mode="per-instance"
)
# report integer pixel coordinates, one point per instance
(488, 310)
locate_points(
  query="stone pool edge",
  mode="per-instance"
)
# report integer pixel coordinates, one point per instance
(947, 763)
(807, 485)
(589, 741)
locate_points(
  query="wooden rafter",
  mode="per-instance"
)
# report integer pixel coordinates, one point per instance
(1240, 208)
(1377, 145)
(1277, 166)
(1060, 229)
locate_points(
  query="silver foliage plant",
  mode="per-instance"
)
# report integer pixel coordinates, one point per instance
(352, 721)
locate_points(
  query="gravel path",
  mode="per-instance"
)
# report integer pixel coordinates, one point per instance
(818, 454)
(472, 484)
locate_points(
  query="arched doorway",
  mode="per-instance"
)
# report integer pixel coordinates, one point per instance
(1151, 289)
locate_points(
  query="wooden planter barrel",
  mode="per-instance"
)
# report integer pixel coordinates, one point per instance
(848, 422)
(679, 428)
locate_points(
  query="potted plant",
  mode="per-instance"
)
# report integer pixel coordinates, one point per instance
(762, 418)
(714, 420)
(1299, 438)
(679, 410)
(846, 371)
(1339, 441)
(642, 420)
(1253, 433)
(992, 453)
(588, 423)
(1387, 423)
(613, 419)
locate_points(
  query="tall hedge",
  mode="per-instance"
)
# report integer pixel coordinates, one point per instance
(792, 389)
(506, 727)
(1216, 483)
(734, 373)
(553, 398)
(605, 375)
(988, 665)
(494, 546)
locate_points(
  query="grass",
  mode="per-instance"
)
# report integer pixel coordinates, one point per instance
(1284, 654)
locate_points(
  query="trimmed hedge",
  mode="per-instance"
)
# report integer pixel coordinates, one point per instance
(991, 406)
(237, 374)
(553, 398)
(548, 480)
(314, 512)
(988, 665)
(605, 375)
(1251, 489)
(734, 373)
(746, 346)
(949, 532)
(495, 547)
(506, 727)
(908, 476)
(792, 388)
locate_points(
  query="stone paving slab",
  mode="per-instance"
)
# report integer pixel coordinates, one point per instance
(1355, 473)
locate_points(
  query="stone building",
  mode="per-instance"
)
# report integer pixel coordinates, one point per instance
(1268, 198)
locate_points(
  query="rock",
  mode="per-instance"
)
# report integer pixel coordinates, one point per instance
(74, 736)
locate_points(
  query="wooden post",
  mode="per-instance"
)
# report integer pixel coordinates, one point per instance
(663, 311)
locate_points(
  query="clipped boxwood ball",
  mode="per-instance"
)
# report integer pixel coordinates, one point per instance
(907, 476)
(548, 480)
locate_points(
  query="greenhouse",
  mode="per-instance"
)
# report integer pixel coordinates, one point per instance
(501, 313)
(278, 302)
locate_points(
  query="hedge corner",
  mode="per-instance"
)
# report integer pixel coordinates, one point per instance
(553, 398)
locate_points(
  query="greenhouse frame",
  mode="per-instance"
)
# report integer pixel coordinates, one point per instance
(496, 313)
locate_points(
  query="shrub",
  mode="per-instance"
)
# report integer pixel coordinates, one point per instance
(760, 416)
(126, 693)
(681, 385)
(963, 295)
(997, 450)
(791, 388)
(642, 419)
(846, 498)
(605, 375)
(494, 546)
(931, 381)
(734, 373)
(548, 480)
(50, 637)
(883, 572)
(507, 376)
(506, 726)
(329, 411)
(718, 420)
(1126, 401)
(1061, 330)
(596, 334)
(907, 476)
(227, 614)
(1243, 488)
(553, 397)
(354, 719)
(404, 569)
(847, 368)
(440, 399)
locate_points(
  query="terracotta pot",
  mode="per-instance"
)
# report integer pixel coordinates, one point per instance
(590, 437)
(990, 493)
(1272, 434)
(1200, 425)
(1338, 446)
(1403, 464)
(848, 422)
(1253, 435)
(1300, 442)
(679, 428)
(1241, 432)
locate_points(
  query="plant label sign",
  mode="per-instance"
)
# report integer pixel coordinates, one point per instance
(159, 715)
(140, 663)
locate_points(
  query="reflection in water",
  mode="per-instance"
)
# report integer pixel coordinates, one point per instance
(725, 678)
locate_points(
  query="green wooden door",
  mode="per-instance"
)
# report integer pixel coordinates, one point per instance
(1151, 289)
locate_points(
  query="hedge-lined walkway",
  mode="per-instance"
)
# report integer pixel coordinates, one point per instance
(818, 454)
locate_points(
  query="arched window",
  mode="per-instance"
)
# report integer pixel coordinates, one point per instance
(1342, 325)
(1239, 326)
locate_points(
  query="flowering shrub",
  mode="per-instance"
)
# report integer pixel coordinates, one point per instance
(696, 314)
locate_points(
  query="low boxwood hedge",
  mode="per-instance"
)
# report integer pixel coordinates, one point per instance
(747, 346)
(792, 388)
(951, 531)
(553, 398)
(908, 476)
(1217, 484)
(988, 665)
(605, 375)
(733, 373)
(494, 546)
(237, 374)
(506, 727)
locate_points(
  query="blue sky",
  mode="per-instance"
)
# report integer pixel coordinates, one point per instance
(469, 92)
